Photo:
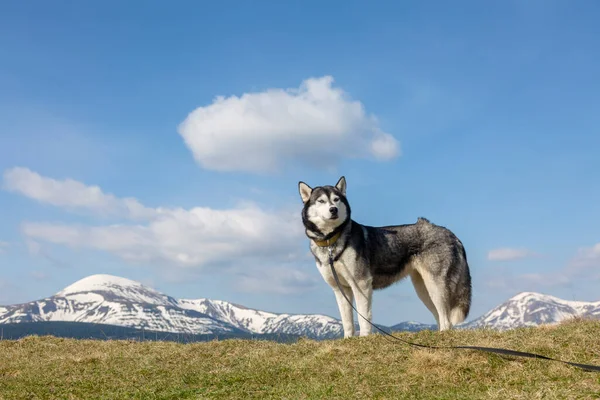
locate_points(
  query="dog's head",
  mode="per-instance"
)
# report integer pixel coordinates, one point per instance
(325, 207)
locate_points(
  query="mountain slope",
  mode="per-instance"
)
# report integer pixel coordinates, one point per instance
(263, 322)
(532, 309)
(412, 326)
(106, 299)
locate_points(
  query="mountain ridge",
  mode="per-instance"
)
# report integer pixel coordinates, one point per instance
(113, 300)
(533, 309)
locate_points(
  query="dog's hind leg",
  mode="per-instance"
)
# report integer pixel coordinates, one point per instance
(439, 297)
(423, 294)
(345, 309)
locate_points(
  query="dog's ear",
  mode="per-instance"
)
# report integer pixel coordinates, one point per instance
(341, 185)
(305, 191)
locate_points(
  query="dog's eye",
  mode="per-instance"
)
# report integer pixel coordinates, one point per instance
(336, 199)
(322, 201)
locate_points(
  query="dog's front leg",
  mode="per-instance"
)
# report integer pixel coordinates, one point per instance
(363, 290)
(345, 309)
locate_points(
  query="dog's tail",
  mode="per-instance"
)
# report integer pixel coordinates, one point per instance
(462, 304)
(459, 313)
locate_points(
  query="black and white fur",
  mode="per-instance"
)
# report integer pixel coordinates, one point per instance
(369, 258)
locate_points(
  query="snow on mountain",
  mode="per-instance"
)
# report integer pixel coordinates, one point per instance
(304, 324)
(412, 326)
(116, 288)
(593, 313)
(236, 315)
(255, 321)
(112, 300)
(532, 309)
(107, 299)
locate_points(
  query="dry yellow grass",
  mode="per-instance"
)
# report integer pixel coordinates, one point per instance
(361, 368)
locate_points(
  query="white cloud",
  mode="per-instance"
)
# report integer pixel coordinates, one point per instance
(3, 246)
(529, 281)
(191, 238)
(584, 266)
(259, 132)
(509, 254)
(548, 279)
(72, 194)
(37, 250)
(586, 257)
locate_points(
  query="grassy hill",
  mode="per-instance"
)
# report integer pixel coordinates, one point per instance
(367, 368)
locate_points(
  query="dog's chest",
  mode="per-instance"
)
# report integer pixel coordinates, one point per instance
(345, 266)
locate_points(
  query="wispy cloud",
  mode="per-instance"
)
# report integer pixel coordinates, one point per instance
(586, 257)
(195, 237)
(548, 279)
(72, 194)
(258, 132)
(528, 281)
(585, 265)
(510, 254)
(36, 249)
(3, 246)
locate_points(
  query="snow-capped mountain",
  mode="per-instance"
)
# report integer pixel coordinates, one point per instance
(256, 321)
(594, 313)
(112, 300)
(412, 326)
(106, 299)
(532, 309)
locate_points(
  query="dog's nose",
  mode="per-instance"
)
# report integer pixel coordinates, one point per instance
(333, 210)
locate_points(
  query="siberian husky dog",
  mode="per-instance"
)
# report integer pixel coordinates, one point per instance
(367, 258)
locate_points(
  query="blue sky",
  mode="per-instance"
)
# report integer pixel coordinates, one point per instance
(164, 142)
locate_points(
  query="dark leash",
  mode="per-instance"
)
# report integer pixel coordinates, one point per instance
(507, 352)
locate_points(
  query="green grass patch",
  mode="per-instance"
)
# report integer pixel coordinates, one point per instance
(45, 367)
